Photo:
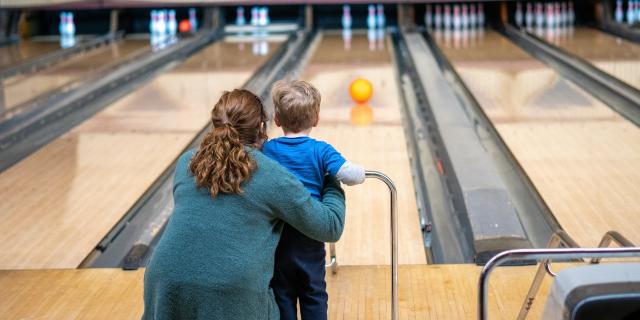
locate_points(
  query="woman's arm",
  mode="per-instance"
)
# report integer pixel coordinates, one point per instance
(320, 220)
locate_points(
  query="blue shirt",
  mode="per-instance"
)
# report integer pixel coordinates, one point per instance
(308, 159)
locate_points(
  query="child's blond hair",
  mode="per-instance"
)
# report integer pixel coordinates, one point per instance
(297, 105)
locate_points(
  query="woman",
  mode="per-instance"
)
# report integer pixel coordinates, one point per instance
(215, 259)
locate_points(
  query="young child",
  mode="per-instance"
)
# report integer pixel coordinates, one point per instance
(299, 262)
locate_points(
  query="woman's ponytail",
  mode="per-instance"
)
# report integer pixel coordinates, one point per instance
(222, 163)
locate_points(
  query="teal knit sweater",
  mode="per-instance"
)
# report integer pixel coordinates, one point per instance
(215, 259)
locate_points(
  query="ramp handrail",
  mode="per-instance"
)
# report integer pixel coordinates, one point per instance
(539, 255)
(333, 263)
(612, 236)
(559, 239)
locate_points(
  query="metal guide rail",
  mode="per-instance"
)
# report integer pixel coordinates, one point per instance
(572, 251)
(333, 264)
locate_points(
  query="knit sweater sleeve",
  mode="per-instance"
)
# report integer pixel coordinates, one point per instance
(320, 220)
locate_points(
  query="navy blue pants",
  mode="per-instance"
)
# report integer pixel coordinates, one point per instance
(299, 276)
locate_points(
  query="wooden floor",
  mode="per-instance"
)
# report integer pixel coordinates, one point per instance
(371, 135)
(616, 56)
(356, 292)
(24, 50)
(21, 88)
(62, 200)
(582, 157)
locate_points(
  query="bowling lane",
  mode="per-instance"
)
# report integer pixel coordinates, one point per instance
(616, 56)
(581, 156)
(69, 73)
(371, 135)
(62, 200)
(13, 54)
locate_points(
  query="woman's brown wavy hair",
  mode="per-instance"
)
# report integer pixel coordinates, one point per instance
(222, 163)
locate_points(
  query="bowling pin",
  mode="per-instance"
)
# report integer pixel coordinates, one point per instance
(254, 16)
(539, 15)
(572, 14)
(193, 20)
(61, 25)
(262, 18)
(240, 21)
(447, 17)
(480, 15)
(380, 18)
(631, 14)
(528, 17)
(427, 17)
(518, 17)
(456, 17)
(371, 17)
(71, 26)
(346, 17)
(619, 14)
(473, 18)
(437, 19)
(173, 25)
(464, 17)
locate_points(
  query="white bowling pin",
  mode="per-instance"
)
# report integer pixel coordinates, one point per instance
(427, 17)
(480, 15)
(262, 16)
(346, 17)
(539, 15)
(254, 16)
(447, 17)
(560, 19)
(193, 20)
(572, 14)
(549, 15)
(519, 17)
(631, 14)
(240, 20)
(464, 17)
(380, 18)
(437, 19)
(619, 14)
(371, 17)
(173, 25)
(71, 26)
(456, 17)
(528, 17)
(473, 17)
(61, 25)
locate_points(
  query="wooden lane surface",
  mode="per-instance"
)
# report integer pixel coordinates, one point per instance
(582, 157)
(22, 88)
(616, 56)
(25, 50)
(58, 203)
(356, 292)
(371, 135)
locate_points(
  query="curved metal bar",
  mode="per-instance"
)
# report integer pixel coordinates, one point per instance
(612, 236)
(547, 266)
(558, 239)
(542, 254)
(394, 238)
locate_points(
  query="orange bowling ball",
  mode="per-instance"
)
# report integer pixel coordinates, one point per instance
(184, 26)
(361, 90)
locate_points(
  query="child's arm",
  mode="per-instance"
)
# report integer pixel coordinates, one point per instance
(345, 171)
(350, 174)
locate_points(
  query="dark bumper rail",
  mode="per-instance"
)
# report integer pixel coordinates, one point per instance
(46, 60)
